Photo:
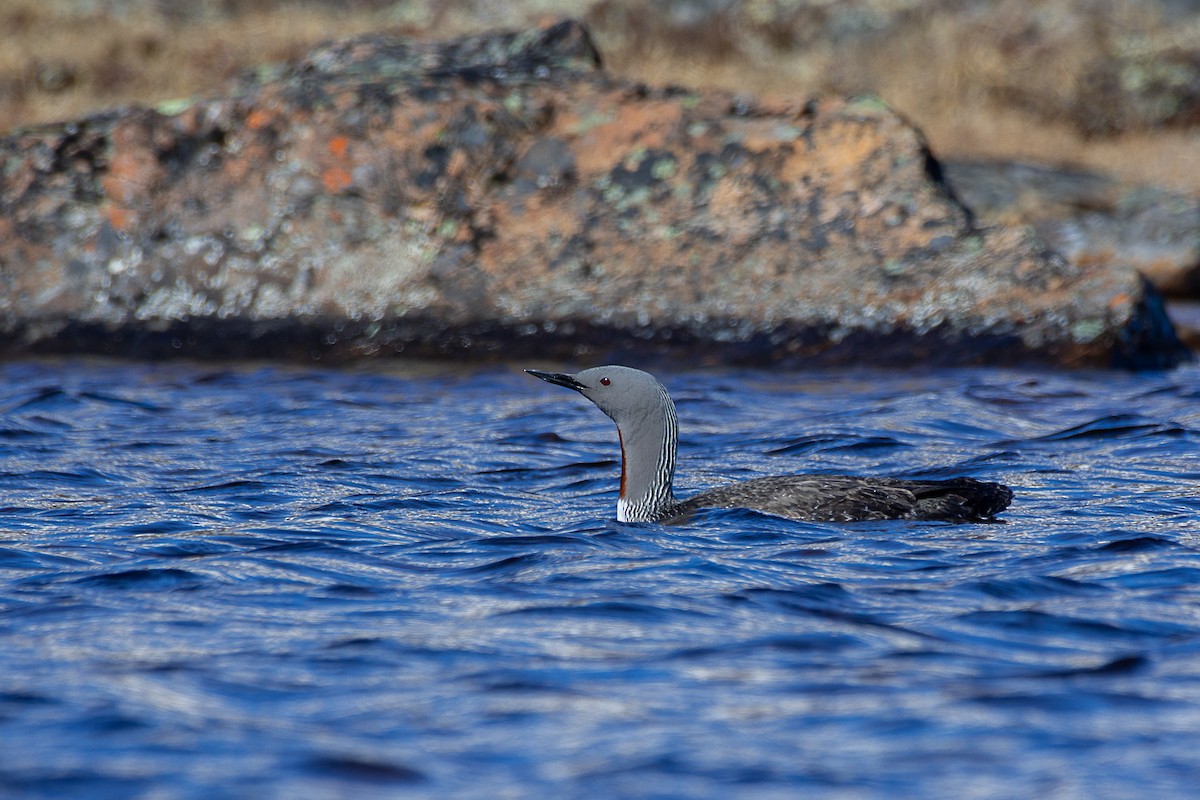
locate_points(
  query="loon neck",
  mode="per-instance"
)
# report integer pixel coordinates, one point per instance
(648, 444)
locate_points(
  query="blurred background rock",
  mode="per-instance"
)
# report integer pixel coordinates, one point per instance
(1109, 85)
(1080, 118)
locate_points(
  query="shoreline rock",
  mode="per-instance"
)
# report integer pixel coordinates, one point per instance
(501, 196)
(1089, 217)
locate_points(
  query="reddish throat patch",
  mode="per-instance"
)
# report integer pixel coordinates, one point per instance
(621, 439)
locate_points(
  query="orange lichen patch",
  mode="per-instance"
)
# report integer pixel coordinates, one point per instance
(522, 235)
(839, 153)
(730, 204)
(538, 218)
(119, 218)
(411, 134)
(336, 179)
(761, 135)
(459, 163)
(338, 146)
(258, 119)
(647, 124)
(130, 179)
(1118, 300)
(780, 103)
(126, 177)
(243, 167)
(133, 169)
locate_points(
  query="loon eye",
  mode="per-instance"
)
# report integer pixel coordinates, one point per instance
(605, 381)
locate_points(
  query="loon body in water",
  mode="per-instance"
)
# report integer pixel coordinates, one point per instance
(649, 432)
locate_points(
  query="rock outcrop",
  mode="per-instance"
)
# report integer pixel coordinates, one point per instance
(1090, 218)
(501, 195)
(1095, 221)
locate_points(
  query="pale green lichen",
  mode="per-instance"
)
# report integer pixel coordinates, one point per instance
(663, 168)
(592, 120)
(1087, 330)
(635, 157)
(788, 133)
(869, 103)
(638, 196)
(169, 108)
(514, 103)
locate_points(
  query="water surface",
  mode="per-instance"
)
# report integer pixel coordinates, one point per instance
(261, 581)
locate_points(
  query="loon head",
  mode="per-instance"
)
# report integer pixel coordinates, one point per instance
(625, 394)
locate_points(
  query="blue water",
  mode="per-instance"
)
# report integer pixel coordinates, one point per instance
(271, 582)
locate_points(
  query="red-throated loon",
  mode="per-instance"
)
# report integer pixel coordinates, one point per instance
(648, 431)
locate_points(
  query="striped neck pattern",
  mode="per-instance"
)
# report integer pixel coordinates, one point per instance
(648, 444)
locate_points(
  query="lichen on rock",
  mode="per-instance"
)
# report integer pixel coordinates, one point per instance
(501, 195)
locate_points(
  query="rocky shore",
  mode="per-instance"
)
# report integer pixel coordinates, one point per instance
(503, 196)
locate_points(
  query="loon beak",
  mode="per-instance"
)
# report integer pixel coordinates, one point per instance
(559, 378)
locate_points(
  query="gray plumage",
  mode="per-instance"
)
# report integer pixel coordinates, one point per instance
(649, 432)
